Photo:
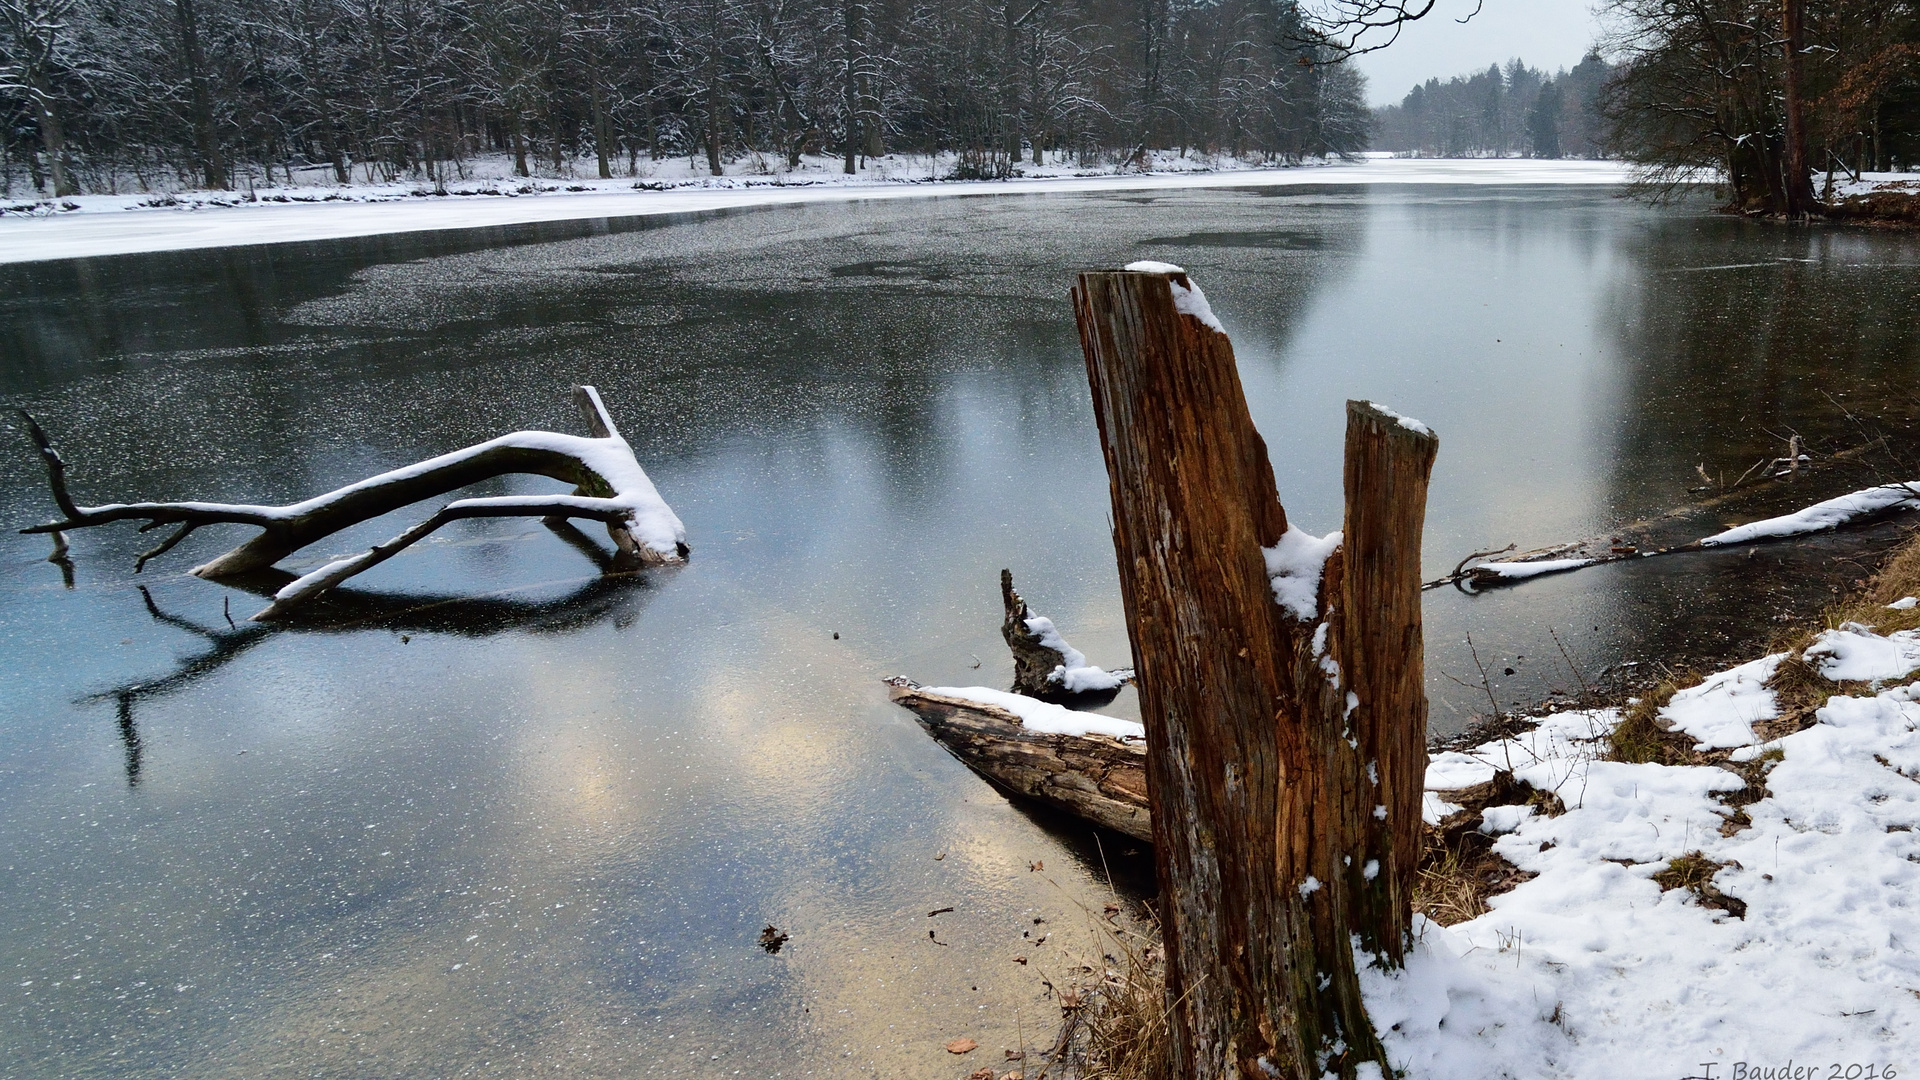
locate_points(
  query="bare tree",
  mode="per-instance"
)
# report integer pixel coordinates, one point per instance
(36, 35)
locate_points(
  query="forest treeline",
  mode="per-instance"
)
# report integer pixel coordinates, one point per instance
(1764, 94)
(1502, 112)
(107, 94)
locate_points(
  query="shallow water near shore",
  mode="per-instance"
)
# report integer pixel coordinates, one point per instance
(488, 814)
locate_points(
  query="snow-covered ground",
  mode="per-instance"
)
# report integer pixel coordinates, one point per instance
(120, 224)
(1590, 970)
(1845, 186)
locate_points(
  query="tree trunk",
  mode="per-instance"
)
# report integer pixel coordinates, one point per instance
(600, 135)
(200, 98)
(1797, 181)
(54, 139)
(1383, 663)
(1010, 85)
(1244, 759)
(850, 89)
(715, 102)
(519, 144)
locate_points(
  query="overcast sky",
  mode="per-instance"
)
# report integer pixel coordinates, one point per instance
(1545, 33)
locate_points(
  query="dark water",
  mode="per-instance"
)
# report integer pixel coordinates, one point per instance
(494, 816)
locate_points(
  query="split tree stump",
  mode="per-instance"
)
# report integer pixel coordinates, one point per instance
(1271, 739)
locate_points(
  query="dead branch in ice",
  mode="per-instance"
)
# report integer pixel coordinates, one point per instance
(1853, 508)
(1044, 665)
(609, 487)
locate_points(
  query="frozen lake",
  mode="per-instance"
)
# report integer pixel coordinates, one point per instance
(494, 816)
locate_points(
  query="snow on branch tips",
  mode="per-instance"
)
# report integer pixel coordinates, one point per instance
(609, 487)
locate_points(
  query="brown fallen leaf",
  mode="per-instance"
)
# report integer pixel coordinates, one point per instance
(1015, 1075)
(940, 856)
(1020, 960)
(961, 1046)
(1037, 865)
(1112, 910)
(983, 1073)
(772, 938)
(1016, 1055)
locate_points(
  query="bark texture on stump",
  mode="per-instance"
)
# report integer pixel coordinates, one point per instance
(1383, 661)
(1033, 662)
(1244, 762)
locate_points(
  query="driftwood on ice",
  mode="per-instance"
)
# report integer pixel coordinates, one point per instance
(1075, 767)
(1101, 779)
(609, 486)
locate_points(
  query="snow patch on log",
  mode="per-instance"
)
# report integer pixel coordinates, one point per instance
(1407, 422)
(1074, 674)
(1821, 516)
(1045, 717)
(1516, 571)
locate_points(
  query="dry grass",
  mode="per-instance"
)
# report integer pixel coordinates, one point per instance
(1459, 870)
(1640, 739)
(1125, 1018)
(1457, 878)
(1113, 1013)
(1694, 873)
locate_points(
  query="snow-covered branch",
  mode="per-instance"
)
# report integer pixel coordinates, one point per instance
(609, 486)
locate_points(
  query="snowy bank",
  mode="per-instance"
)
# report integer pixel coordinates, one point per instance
(1591, 969)
(123, 224)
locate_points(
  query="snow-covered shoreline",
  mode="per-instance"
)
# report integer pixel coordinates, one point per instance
(1591, 969)
(105, 225)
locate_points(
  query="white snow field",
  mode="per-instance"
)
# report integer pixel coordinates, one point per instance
(124, 224)
(1591, 971)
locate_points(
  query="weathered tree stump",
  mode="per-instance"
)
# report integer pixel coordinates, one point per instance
(1265, 761)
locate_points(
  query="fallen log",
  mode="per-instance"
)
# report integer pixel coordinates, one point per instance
(1100, 778)
(609, 486)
